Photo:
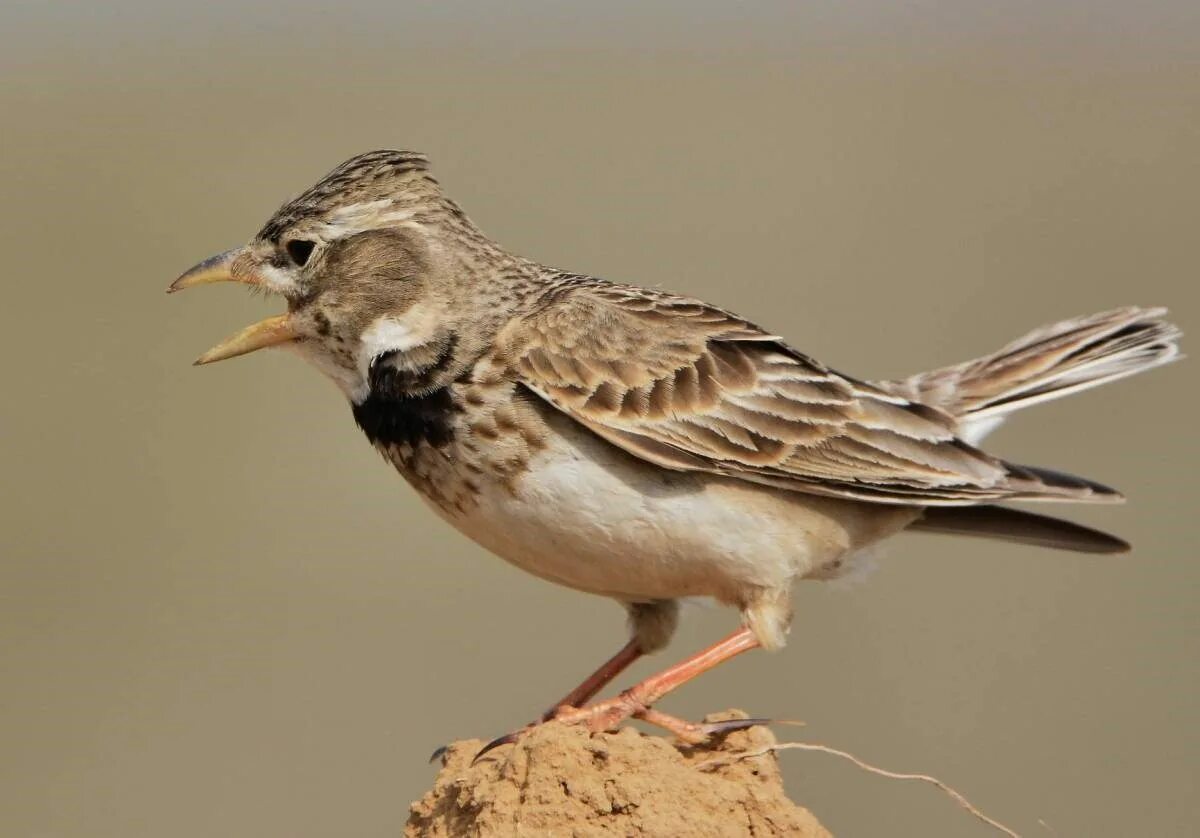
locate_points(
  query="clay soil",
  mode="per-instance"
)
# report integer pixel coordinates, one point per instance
(563, 781)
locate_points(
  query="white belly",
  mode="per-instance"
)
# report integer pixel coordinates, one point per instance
(591, 517)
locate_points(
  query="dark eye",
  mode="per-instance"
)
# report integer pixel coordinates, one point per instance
(299, 250)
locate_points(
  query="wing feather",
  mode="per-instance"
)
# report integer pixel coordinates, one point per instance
(689, 386)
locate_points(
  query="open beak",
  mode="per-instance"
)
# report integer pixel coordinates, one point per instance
(236, 266)
(230, 266)
(270, 332)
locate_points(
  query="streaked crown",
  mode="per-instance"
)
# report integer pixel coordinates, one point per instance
(384, 175)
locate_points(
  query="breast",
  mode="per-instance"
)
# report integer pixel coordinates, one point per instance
(587, 515)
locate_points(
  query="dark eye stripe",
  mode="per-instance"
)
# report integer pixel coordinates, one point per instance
(299, 250)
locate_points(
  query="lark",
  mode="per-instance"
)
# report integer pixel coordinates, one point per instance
(638, 444)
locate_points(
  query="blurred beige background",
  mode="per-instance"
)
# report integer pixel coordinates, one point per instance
(220, 614)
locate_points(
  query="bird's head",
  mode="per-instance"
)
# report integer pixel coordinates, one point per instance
(368, 264)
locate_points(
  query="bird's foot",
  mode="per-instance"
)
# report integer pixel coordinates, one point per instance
(637, 701)
(609, 714)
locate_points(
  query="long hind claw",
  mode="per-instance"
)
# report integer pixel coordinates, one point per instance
(700, 733)
(506, 739)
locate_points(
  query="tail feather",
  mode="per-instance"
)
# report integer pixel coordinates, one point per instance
(1050, 485)
(1048, 363)
(1016, 525)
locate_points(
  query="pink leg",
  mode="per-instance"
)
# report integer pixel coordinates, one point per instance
(598, 680)
(636, 701)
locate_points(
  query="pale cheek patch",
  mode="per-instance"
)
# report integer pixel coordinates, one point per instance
(394, 334)
(278, 280)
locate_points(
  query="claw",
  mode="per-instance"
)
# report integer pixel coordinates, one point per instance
(693, 733)
(506, 739)
(438, 754)
(730, 725)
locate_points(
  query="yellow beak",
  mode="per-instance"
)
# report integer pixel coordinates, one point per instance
(230, 266)
(270, 332)
(236, 266)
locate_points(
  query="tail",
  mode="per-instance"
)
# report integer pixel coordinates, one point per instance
(1017, 525)
(1045, 364)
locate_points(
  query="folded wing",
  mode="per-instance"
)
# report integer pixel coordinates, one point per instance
(688, 386)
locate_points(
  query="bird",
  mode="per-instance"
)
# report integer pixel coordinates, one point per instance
(641, 445)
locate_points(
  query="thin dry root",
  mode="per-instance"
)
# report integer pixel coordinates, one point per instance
(893, 775)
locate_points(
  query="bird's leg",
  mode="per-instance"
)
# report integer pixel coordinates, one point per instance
(576, 698)
(637, 701)
(598, 680)
(651, 625)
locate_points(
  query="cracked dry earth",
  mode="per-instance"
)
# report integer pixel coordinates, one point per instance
(563, 781)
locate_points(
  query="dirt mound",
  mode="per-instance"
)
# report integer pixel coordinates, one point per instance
(560, 780)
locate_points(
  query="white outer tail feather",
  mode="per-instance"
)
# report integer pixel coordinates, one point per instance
(1048, 363)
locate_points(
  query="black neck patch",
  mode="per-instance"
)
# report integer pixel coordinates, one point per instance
(398, 409)
(392, 420)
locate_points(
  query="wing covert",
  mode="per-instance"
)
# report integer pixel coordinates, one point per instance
(689, 386)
